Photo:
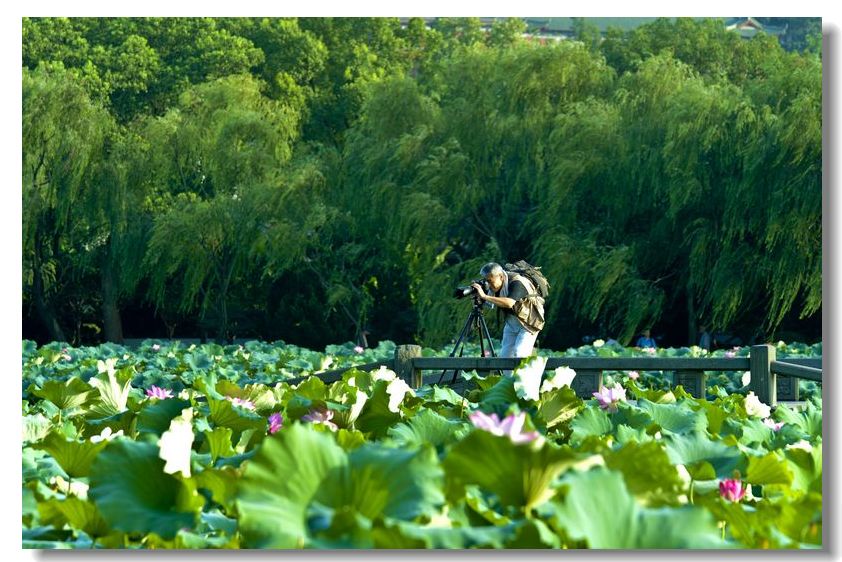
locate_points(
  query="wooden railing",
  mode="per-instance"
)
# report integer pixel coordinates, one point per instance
(771, 380)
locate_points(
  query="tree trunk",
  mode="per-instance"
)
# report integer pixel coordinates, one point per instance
(45, 311)
(692, 334)
(112, 324)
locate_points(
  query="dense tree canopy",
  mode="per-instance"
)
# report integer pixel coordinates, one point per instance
(317, 179)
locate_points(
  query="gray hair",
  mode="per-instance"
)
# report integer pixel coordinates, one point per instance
(491, 267)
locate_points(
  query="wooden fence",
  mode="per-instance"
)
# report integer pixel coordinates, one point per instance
(771, 380)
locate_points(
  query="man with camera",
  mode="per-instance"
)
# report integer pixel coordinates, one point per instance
(523, 309)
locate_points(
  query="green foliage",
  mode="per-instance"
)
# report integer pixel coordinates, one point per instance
(208, 167)
(404, 469)
(131, 491)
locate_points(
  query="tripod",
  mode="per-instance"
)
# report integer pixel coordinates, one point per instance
(475, 321)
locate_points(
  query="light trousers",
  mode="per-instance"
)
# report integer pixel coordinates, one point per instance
(517, 342)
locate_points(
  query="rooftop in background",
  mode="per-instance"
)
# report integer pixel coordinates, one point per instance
(560, 28)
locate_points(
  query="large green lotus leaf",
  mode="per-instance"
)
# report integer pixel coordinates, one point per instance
(78, 513)
(520, 475)
(559, 405)
(809, 421)
(155, 417)
(186, 540)
(221, 483)
(280, 482)
(216, 521)
(433, 394)
(768, 469)
(219, 442)
(35, 428)
(800, 519)
(676, 418)
(632, 416)
(405, 535)
(351, 400)
(628, 434)
(39, 466)
(499, 397)
(715, 415)
(599, 510)
(704, 459)
(297, 406)
(475, 500)
(29, 503)
(484, 384)
(428, 427)
(300, 365)
(591, 421)
(533, 533)
(376, 418)
(114, 388)
(646, 469)
(313, 388)
(806, 467)
(65, 394)
(224, 414)
(259, 394)
(198, 361)
(402, 484)
(75, 457)
(678, 528)
(81, 544)
(132, 492)
(342, 528)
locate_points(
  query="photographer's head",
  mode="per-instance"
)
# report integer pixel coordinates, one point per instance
(493, 273)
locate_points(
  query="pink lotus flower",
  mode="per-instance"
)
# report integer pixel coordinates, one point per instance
(157, 392)
(487, 353)
(730, 353)
(772, 424)
(732, 489)
(608, 398)
(247, 404)
(649, 350)
(320, 416)
(511, 426)
(634, 375)
(276, 421)
(359, 349)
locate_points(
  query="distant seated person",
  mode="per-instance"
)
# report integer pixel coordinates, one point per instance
(646, 340)
(704, 338)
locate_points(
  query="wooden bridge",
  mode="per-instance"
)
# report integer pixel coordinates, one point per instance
(771, 380)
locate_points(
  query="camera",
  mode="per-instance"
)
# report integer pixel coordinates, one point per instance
(462, 292)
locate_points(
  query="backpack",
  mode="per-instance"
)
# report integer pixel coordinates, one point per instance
(542, 286)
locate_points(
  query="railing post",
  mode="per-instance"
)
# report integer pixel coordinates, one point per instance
(692, 381)
(787, 388)
(404, 354)
(763, 380)
(586, 382)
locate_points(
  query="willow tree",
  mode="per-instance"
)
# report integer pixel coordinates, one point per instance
(214, 158)
(64, 135)
(673, 196)
(463, 169)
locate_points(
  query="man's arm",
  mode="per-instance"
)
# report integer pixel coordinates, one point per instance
(503, 302)
(517, 290)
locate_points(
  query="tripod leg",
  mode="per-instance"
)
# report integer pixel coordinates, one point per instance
(473, 322)
(487, 335)
(459, 341)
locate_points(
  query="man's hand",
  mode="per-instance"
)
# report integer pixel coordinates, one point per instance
(479, 290)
